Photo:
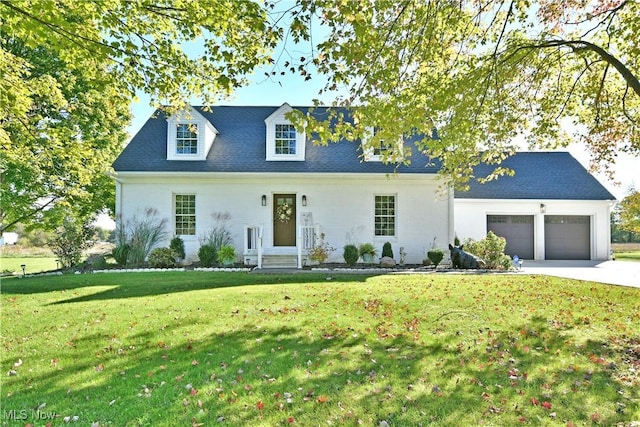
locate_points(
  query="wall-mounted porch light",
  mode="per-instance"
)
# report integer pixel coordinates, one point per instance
(264, 200)
(304, 200)
(543, 208)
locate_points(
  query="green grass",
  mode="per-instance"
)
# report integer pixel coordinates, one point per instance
(187, 348)
(33, 264)
(628, 256)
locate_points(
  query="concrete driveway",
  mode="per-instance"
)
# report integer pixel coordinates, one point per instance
(625, 273)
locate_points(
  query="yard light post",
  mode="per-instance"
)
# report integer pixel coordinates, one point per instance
(24, 269)
(57, 264)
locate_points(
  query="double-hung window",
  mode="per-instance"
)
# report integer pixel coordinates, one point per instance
(185, 214)
(187, 138)
(285, 139)
(384, 222)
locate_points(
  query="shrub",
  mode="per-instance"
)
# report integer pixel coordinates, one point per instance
(367, 249)
(121, 254)
(177, 246)
(386, 250)
(207, 255)
(351, 254)
(226, 254)
(320, 250)
(141, 235)
(218, 235)
(491, 250)
(162, 258)
(69, 240)
(435, 256)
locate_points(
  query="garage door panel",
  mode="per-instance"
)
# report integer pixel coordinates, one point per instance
(518, 232)
(567, 237)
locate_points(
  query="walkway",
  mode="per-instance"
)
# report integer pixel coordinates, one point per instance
(625, 273)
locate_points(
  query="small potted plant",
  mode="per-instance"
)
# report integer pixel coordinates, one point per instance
(368, 252)
(226, 255)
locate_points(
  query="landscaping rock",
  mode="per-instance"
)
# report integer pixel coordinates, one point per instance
(387, 262)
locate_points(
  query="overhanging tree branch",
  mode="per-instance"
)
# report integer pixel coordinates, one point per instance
(578, 45)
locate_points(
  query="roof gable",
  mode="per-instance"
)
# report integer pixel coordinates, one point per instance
(538, 175)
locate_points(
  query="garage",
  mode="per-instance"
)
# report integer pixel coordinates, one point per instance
(518, 232)
(567, 237)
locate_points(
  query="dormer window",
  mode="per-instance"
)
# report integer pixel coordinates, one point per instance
(283, 142)
(187, 138)
(285, 139)
(190, 136)
(377, 149)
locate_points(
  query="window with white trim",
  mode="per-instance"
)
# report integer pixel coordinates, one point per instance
(186, 138)
(185, 214)
(285, 139)
(384, 222)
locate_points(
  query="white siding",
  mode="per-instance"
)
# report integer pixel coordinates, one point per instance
(342, 206)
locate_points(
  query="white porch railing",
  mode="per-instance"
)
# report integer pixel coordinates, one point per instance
(253, 242)
(306, 240)
(254, 247)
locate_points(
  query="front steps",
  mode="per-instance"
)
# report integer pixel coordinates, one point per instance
(279, 261)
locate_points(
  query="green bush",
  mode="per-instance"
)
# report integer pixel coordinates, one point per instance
(226, 254)
(177, 246)
(386, 250)
(70, 239)
(121, 253)
(435, 256)
(162, 258)
(351, 254)
(491, 250)
(141, 234)
(367, 249)
(207, 255)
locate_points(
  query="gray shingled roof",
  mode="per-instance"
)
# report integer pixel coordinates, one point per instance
(240, 147)
(538, 175)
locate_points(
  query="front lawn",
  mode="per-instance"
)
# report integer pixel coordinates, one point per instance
(197, 348)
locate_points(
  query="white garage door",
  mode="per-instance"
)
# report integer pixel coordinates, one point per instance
(517, 230)
(567, 237)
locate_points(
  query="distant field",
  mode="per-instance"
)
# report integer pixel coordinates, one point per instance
(626, 251)
(32, 264)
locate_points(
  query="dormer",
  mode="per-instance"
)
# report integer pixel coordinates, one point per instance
(284, 142)
(378, 149)
(189, 135)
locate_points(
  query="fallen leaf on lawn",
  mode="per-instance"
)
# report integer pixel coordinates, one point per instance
(18, 363)
(534, 401)
(546, 405)
(194, 363)
(322, 399)
(291, 420)
(259, 405)
(193, 392)
(485, 395)
(100, 368)
(112, 402)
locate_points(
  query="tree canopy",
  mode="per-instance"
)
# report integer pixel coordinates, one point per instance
(70, 69)
(468, 78)
(629, 212)
(484, 74)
